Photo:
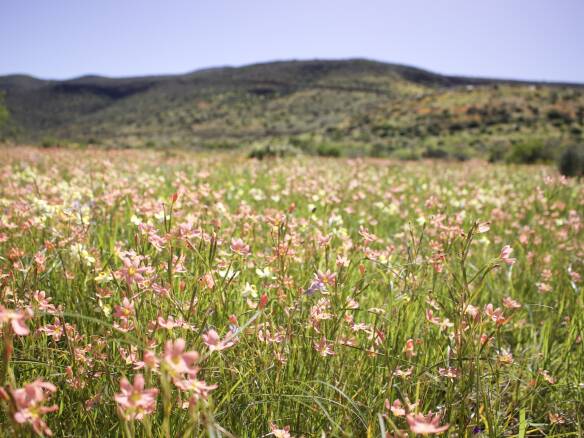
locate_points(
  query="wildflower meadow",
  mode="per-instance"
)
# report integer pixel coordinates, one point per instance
(170, 294)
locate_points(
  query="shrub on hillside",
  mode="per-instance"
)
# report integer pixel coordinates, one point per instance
(407, 154)
(530, 152)
(50, 142)
(435, 152)
(380, 149)
(223, 145)
(274, 151)
(4, 114)
(497, 151)
(328, 150)
(558, 117)
(571, 162)
(462, 154)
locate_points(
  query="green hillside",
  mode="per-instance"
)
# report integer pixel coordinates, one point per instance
(353, 106)
(4, 114)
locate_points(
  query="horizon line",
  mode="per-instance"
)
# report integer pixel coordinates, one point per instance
(290, 60)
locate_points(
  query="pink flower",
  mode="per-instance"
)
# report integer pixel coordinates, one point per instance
(442, 323)
(160, 290)
(238, 246)
(425, 425)
(496, 315)
(149, 361)
(403, 373)
(134, 401)
(324, 348)
(16, 320)
(473, 312)
(280, 432)
(93, 401)
(366, 235)
(451, 373)
(214, 342)
(211, 339)
(28, 404)
(199, 388)
(342, 261)
(40, 300)
(54, 330)
(130, 356)
(431, 318)
(170, 323)
(207, 281)
(125, 325)
(322, 239)
(132, 272)
(548, 378)
(126, 310)
(510, 303)
(327, 278)
(321, 282)
(409, 348)
(178, 362)
(505, 253)
(396, 408)
(483, 227)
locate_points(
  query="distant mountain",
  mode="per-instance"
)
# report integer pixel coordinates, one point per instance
(355, 104)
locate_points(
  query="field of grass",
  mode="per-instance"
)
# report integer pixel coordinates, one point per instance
(148, 293)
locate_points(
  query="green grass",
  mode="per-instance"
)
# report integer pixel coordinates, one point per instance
(400, 238)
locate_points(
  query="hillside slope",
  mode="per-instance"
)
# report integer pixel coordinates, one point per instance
(358, 104)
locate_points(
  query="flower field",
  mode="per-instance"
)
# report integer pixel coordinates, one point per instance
(147, 293)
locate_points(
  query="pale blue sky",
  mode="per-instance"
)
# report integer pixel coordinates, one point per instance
(523, 39)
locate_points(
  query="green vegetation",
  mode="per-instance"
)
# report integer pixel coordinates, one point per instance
(331, 108)
(571, 162)
(269, 150)
(531, 151)
(4, 114)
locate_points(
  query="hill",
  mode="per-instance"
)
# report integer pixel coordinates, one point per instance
(354, 106)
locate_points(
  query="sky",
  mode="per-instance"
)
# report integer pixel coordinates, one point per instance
(516, 39)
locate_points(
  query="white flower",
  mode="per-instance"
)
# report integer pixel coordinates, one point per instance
(249, 290)
(265, 273)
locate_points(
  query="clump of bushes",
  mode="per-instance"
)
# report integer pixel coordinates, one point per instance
(435, 153)
(462, 155)
(50, 142)
(328, 150)
(497, 151)
(223, 145)
(279, 150)
(530, 152)
(407, 154)
(53, 142)
(459, 153)
(381, 149)
(571, 162)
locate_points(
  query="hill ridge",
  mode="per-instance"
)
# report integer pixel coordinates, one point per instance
(462, 77)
